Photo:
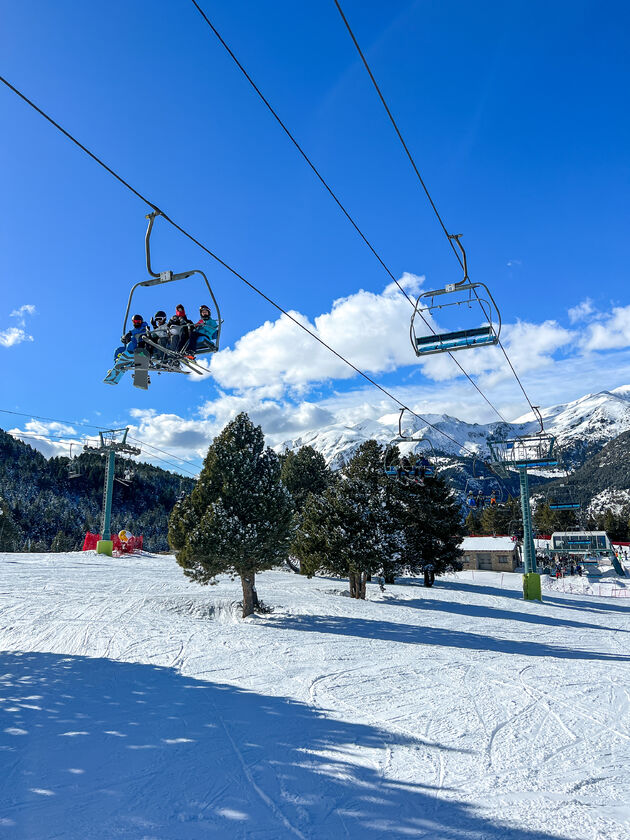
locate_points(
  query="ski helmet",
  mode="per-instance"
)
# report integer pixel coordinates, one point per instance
(160, 314)
(204, 307)
(137, 319)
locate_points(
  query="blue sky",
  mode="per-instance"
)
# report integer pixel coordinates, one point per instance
(515, 113)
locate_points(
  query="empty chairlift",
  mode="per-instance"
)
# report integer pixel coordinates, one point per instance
(461, 296)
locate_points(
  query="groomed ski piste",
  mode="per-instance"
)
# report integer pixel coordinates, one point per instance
(136, 704)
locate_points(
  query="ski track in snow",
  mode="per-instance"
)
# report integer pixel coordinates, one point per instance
(134, 703)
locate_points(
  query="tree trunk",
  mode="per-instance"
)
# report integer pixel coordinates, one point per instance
(389, 577)
(250, 599)
(362, 585)
(353, 584)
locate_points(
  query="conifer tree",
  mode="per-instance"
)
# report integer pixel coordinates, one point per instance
(62, 542)
(10, 536)
(303, 472)
(433, 527)
(349, 530)
(472, 524)
(238, 518)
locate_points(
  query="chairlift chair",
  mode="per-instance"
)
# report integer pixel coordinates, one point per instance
(461, 294)
(562, 499)
(491, 498)
(163, 359)
(414, 472)
(74, 470)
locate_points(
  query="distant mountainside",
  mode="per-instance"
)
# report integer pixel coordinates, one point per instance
(603, 481)
(582, 428)
(47, 505)
(50, 509)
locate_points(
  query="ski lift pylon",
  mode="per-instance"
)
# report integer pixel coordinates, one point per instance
(462, 293)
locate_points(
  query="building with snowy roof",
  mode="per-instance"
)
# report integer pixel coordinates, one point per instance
(496, 554)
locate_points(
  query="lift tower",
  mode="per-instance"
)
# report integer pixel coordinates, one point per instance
(523, 454)
(109, 446)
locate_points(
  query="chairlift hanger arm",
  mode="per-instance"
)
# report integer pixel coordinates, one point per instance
(160, 278)
(456, 237)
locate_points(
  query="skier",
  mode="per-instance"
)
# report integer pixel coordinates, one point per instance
(480, 499)
(159, 332)
(493, 500)
(204, 332)
(404, 467)
(132, 338)
(180, 326)
(470, 500)
(422, 465)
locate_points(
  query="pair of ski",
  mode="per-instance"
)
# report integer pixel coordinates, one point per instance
(141, 363)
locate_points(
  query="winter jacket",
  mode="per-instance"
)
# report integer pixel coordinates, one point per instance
(180, 321)
(207, 327)
(132, 335)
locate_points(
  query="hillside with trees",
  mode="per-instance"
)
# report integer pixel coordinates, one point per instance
(44, 509)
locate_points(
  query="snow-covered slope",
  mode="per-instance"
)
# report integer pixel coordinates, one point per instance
(582, 426)
(135, 704)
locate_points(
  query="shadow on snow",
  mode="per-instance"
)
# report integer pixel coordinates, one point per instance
(97, 748)
(421, 634)
(483, 611)
(570, 602)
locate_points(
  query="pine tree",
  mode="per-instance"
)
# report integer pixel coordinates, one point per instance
(433, 527)
(303, 472)
(62, 542)
(10, 536)
(349, 530)
(472, 524)
(238, 518)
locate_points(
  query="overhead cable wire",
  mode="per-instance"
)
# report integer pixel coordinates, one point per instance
(44, 437)
(91, 426)
(420, 178)
(234, 271)
(333, 195)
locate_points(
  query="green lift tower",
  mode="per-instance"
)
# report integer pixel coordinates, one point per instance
(109, 446)
(522, 454)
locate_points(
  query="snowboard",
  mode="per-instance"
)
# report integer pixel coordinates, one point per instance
(141, 369)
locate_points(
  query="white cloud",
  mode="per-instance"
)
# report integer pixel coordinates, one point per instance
(611, 332)
(22, 311)
(364, 327)
(43, 436)
(16, 335)
(582, 311)
(12, 336)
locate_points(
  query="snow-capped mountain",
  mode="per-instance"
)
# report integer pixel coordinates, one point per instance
(582, 427)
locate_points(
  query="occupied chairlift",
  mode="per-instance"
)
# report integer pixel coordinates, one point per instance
(126, 478)
(401, 467)
(464, 293)
(481, 499)
(163, 359)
